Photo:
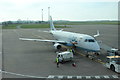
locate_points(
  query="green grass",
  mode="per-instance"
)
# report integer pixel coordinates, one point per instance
(34, 26)
(10, 26)
(45, 25)
(89, 23)
(13, 26)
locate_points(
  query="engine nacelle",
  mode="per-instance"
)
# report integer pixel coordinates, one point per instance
(57, 46)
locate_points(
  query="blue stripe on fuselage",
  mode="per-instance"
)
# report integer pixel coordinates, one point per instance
(68, 44)
(89, 50)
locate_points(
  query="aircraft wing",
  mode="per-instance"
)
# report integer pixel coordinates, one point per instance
(41, 40)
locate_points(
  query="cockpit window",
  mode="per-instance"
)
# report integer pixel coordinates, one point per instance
(89, 40)
(86, 40)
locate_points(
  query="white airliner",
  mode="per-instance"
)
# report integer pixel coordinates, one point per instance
(82, 41)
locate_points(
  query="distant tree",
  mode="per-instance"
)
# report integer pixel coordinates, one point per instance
(4, 24)
(39, 22)
(9, 22)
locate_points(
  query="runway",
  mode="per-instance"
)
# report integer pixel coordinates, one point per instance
(38, 58)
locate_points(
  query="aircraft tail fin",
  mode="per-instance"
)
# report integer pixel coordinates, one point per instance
(52, 28)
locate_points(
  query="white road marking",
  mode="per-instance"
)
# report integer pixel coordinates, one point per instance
(79, 77)
(98, 77)
(69, 77)
(88, 77)
(60, 77)
(19, 35)
(41, 37)
(29, 76)
(106, 77)
(51, 76)
(114, 76)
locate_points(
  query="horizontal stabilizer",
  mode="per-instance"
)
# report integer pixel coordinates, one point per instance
(98, 34)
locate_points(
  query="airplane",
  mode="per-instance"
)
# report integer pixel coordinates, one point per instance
(82, 41)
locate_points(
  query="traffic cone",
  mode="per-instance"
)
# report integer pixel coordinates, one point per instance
(74, 65)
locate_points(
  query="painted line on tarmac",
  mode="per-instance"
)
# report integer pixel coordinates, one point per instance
(19, 35)
(18, 27)
(64, 77)
(51, 76)
(69, 77)
(81, 54)
(60, 77)
(38, 36)
(83, 77)
(32, 35)
(106, 77)
(114, 76)
(88, 77)
(29, 76)
(79, 77)
(97, 77)
(99, 61)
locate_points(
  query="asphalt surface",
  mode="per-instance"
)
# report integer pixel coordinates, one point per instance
(38, 58)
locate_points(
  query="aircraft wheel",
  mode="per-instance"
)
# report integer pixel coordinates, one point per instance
(112, 67)
(87, 55)
(97, 54)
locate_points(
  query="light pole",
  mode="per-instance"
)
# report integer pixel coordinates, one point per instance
(42, 15)
(48, 13)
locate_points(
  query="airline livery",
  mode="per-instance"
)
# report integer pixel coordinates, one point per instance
(82, 41)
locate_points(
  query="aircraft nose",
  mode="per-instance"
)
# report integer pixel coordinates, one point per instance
(95, 47)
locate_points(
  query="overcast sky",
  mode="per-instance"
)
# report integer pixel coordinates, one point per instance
(73, 10)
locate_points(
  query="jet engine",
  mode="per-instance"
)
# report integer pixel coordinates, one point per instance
(57, 46)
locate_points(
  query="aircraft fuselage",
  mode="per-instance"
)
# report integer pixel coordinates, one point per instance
(82, 41)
